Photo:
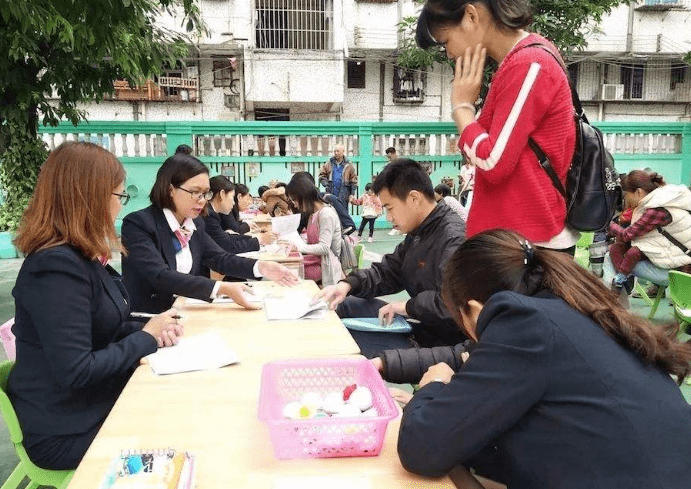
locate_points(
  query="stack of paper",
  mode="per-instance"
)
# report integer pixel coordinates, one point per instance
(206, 351)
(293, 305)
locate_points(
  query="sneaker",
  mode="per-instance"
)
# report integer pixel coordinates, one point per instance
(394, 232)
(369, 240)
(627, 285)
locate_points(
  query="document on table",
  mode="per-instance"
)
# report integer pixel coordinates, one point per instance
(256, 298)
(293, 304)
(206, 351)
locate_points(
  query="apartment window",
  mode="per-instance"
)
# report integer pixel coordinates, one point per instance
(223, 73)
(632, 79)
(677, 75)
(294, 24)
(356, 74)
(408, 85)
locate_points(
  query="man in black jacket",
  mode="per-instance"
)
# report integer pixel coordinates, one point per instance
(434, 231)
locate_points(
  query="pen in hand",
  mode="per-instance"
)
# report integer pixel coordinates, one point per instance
(147, 315)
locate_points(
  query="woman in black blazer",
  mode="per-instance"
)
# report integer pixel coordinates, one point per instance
(231, 220)
(168, 247)
(223, 202)
(564, 387)
(75, 346)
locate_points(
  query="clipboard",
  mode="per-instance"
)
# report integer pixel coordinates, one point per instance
(398, 325)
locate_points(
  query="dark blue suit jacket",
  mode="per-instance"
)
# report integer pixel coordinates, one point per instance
(232, 221)
(556, 401)
(75, 349)
(232, 243)
(149, 270)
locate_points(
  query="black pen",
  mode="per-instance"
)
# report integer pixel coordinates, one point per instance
(149, 316)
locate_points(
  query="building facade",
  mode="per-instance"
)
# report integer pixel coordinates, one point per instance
(632, 68)
(290, 60)
(300, 60)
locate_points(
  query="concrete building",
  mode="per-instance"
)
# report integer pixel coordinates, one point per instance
(290, 60)
(336, 60)
(632, 68)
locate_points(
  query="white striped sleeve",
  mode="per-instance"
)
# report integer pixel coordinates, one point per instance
(509, 125)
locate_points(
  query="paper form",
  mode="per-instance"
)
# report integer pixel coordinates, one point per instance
(206, 351)
(293, 304)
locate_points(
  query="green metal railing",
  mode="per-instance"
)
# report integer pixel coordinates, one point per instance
(254, 153)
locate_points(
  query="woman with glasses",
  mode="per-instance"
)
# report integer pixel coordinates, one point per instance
(169, 247)
(75, 346)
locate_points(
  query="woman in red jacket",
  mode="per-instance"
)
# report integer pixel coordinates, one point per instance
(529, 97)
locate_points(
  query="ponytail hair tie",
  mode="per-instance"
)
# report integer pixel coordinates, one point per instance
(529, 252)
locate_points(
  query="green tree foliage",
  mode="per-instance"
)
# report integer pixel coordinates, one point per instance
(564, 22)
(56, 54)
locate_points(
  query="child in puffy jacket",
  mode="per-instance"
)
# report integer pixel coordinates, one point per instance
(372, 209)
(659, 229)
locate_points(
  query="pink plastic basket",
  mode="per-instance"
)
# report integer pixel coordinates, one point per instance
(285, 381)
(7, 339)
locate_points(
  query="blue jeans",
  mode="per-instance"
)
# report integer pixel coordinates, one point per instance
(341, 210)
(371, 343)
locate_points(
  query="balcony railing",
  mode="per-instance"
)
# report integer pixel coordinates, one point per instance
(254, 153)
(168, 89)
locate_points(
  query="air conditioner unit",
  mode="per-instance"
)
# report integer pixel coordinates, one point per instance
(231, 101)
(611, 91)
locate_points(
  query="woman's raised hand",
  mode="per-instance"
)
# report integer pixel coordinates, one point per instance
(468, 76)
(278, 273)
(239, 293)
(266, 238)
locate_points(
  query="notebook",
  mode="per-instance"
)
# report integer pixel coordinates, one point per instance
(206, 351)
(398, 325)
(151, 469)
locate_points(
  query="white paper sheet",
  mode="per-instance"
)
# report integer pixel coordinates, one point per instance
(292, 305)
(256, 298)
(293, 237)
(283, 225)
(206, 351)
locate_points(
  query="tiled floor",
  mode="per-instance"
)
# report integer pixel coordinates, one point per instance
(383, 243)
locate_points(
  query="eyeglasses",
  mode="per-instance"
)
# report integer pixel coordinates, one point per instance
(124, 197)
(197, 195)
